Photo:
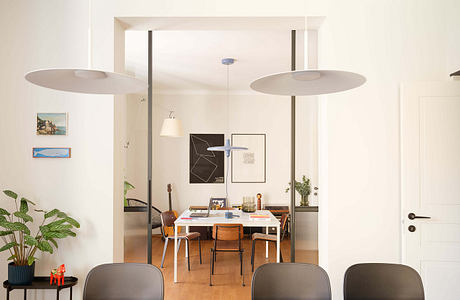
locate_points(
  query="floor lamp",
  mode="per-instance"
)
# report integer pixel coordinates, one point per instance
(303, 83)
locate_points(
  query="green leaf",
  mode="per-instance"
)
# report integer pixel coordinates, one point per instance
(11, 257)
(30, 240)
(23, 216)
(4, 212)
(61, 214)
(8, 246)
(16, 226)
(55, 223)
(27, 200)
(51, 213)
(54, 235)
(11, 194)
(24, 207)
(60, 227)
(53, 241)
(72, 222)
(45, 247)
(31, 260)
(69, 232)
(3, 233)
(2, 220)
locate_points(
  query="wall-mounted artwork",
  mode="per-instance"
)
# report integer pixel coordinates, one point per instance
(249, 166)
(217, 203)
(206, 166)
(47, 152)
(51, 123)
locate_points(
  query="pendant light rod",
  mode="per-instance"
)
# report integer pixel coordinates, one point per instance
(149, 152)
(293, 100)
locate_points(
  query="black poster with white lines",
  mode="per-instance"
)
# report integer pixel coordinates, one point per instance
(206, 166)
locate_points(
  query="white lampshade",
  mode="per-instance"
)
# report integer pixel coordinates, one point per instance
(172, 128)
(308, 82)
(86, 81)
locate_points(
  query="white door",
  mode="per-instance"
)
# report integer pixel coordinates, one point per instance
(430, 185)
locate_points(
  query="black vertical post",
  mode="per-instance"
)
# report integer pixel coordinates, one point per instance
(149, 153)
(293, 46)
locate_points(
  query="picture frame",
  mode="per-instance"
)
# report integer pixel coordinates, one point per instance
(51, 152)
(249, 166)
(217, 202)
(206, 166)
(52, 124)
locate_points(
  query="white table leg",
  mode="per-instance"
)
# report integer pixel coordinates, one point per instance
(186, 248)
(175, 255)
(278, 243)
(266, 245)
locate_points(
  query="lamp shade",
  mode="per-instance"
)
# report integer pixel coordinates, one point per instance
(172, 128)
(86, 81)
(308, 82)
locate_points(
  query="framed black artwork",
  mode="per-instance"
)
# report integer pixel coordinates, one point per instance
(206, 166)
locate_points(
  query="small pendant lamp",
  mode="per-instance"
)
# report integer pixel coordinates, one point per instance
(172, 127)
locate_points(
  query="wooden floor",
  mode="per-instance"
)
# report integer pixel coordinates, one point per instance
(194, 284)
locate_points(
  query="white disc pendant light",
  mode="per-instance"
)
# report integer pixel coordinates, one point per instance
(307, 82)
(86, 81)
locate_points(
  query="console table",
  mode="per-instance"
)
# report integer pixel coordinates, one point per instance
(41, 283)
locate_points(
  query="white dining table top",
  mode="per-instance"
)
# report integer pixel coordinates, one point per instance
(218, 216)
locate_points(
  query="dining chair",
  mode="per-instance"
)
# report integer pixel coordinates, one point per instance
(167, 220)
(383, 282)
(124, 281)
(227, 238)
(268, 238)
(290, 281)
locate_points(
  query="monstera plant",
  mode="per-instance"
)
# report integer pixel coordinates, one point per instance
(17, 236)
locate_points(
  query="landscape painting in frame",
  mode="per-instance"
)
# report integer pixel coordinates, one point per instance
(51, 123)
(47, 152)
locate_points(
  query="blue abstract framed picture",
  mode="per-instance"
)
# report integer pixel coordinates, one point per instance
(47, 152)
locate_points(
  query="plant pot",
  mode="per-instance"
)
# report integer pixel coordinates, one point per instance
(304, 201)
(20, 275)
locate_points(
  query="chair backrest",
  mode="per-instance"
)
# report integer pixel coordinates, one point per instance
(290, 281)
(168, 218)
(124, 281)
(383, 282)
(227, 232)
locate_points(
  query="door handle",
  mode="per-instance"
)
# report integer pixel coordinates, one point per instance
(413, 216)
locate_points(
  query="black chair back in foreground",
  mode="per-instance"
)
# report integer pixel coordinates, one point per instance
(124, 281)
(379, 281)
(288, 281)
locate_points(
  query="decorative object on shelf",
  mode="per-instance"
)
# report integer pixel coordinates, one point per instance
(249, 166)
(206, 166)
(217, 203)
(126, 187)
(172, 127)
(249, 204)
(51, 123)
(304, 189)
(48, 152)
(22, 244)
(57, 275)
(259, 201)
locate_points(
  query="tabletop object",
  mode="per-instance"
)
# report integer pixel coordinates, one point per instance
(41, 283)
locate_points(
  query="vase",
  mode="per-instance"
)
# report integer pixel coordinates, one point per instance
(304, 201)
(20, 275)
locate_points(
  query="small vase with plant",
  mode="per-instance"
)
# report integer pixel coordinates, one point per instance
(22, 244)
(304, 189)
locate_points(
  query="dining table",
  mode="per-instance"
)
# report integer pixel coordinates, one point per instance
(259, 218)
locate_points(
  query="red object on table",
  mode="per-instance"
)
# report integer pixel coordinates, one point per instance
(57, 275)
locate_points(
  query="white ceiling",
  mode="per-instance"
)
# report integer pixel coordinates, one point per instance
(190, 61)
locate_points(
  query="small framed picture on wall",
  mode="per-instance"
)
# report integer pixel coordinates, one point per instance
(249, 166)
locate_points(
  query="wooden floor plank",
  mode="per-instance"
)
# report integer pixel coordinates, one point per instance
(194, 284)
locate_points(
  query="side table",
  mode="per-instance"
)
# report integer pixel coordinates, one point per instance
(41, 283)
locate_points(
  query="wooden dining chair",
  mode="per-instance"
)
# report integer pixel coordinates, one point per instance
(167, 220)
(268, 238)
(227, 238)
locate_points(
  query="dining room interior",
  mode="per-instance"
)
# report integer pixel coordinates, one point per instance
(302, 149)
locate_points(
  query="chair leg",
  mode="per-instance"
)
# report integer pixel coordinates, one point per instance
(242, 273)
(164, 251)
(281, 255)
(252, 254)
(211, 266)
(178, 245)
(213, 261)
(199, 248)
(187, 243)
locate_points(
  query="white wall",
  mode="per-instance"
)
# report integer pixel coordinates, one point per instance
(43, 34)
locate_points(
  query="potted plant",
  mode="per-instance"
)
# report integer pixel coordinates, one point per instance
(22, 244)
(304, 189)
(127, 186)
